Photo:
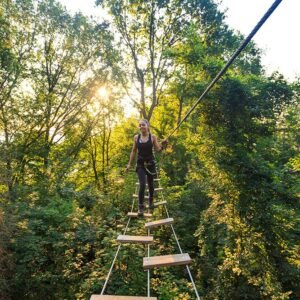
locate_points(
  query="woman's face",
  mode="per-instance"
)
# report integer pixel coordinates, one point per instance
(143, 127)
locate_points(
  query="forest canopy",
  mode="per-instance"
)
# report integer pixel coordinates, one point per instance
(230, 173)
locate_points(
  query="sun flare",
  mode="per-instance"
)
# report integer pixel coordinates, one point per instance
(102, 92)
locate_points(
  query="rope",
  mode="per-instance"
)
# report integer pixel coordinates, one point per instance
(148, 271)
(118, 249)
(177, 241)
(187, 267)
(230, 61)
(110, 270)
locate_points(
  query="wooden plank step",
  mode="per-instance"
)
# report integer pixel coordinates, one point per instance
(135, 215)
(156, 204)
(159, 222)
(159, 203)
(155, 190)
(136, 196)
(111, 297)
(135, 239)
(155, 179)
(166, 260)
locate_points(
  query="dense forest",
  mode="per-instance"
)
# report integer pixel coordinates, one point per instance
(231, 172)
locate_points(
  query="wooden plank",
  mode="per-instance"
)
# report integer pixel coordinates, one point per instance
(135, 215)
(111, 297)
(155, 189)
(166, 260)
(160, 203)
(135, 239)
(155, 179)
(159, 222)
(136, 196)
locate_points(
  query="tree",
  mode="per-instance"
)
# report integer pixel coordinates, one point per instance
(148, 30)
(56, 62)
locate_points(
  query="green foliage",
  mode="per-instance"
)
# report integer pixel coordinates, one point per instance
(6, 256)
(231, 172)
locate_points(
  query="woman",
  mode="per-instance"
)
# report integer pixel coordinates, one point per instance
(145, 166)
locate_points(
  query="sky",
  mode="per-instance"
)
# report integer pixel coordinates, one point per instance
(278, 37)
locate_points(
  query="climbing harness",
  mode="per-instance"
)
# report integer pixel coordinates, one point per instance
(149, 165)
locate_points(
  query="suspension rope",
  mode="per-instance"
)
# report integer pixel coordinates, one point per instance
(148, 271)
(230, 61)
(177, 241)
(118, 250)
(180, 249)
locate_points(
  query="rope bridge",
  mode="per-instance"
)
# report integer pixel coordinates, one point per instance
(181, 258)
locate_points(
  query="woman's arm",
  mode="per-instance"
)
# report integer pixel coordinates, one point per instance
(158, 147)
(133, 153)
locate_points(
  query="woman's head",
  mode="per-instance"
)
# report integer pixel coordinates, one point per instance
(144, 126)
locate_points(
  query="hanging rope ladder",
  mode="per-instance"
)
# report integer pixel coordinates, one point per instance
(149, 262)
(181, 258)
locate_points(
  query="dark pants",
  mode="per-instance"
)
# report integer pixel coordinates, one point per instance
(142, 179)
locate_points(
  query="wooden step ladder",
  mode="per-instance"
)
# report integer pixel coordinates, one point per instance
(136, 215)
(135, 239)
(136, 196)
(111, 297)
(148, 262)
(166, 260)
(159, 222)
(155, 190)
(155, 179)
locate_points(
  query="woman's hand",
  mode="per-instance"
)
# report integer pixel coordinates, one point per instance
(164, 144)
(159, 146)
(127, 168)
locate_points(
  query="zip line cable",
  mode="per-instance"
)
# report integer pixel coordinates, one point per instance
(230, 61)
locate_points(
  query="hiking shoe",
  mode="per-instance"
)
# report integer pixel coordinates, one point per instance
(151, 204)
(141, 211)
